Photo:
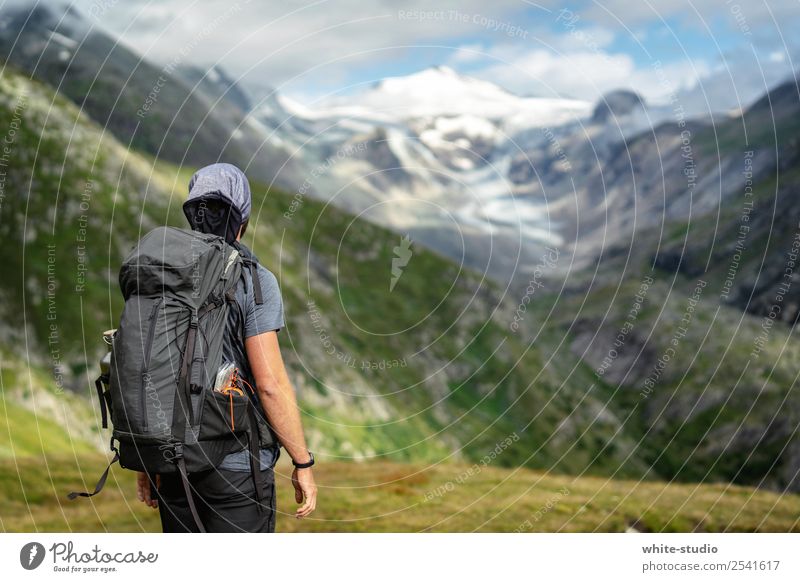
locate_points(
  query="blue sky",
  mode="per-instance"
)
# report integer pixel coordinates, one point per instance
(310, 50)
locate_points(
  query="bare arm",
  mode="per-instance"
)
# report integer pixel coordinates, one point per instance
(280, 405)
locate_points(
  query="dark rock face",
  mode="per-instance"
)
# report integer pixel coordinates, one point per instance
(618, 357)
(389, 168)
(760, 262)
(616, 104)
(216, 84)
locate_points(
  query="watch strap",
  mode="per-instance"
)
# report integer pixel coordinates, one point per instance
(307, 464)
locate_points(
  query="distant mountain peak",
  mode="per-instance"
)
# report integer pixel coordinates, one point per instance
(617, 104)
(442, 91)
(217, 83)
(444, 69)
(437, 74)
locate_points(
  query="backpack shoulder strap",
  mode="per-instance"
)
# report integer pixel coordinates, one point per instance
(251, 262)
(257, 293)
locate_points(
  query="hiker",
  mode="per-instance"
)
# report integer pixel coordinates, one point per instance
(225, 498)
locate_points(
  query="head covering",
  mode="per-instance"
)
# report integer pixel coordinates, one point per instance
(227, 182)
(219, 200)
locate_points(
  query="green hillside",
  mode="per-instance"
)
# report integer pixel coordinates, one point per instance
(391, 497)
(723, 404)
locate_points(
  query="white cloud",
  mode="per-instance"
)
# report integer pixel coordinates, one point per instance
(469, 53)
(312, 47)
(777, 56)
(283, 40)
(584, 74)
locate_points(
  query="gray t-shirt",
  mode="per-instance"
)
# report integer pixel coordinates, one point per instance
(258, 319)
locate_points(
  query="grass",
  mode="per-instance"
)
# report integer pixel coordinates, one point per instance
(29, 432)
(395, 497)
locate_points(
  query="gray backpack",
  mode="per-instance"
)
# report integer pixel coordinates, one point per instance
(179, 289)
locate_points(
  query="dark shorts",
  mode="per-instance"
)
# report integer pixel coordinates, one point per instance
(225, 501)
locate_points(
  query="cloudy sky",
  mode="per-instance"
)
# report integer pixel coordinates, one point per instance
(725, 49)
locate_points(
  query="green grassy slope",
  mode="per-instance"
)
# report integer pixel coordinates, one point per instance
(391, 497)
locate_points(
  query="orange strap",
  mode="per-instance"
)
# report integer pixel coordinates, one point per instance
(233, 386)
(230, 395)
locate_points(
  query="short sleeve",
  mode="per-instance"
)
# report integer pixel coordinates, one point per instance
(269, 315)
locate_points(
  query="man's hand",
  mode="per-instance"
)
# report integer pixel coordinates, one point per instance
(143, 490)
(305, 491)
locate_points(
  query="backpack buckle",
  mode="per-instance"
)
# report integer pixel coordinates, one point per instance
(178, 450)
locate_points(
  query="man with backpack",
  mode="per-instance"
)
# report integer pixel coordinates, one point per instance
(197, 389)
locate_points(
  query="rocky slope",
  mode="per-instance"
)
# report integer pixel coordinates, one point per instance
(168, 111)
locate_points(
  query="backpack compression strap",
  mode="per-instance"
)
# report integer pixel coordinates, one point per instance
(253, 443)
(100, 483)
(183, 407)
(98, 384)
(187, 488)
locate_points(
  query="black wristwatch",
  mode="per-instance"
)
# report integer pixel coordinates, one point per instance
(307, 464)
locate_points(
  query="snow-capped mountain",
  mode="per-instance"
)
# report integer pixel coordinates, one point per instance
(429, 153)
(442, 92)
